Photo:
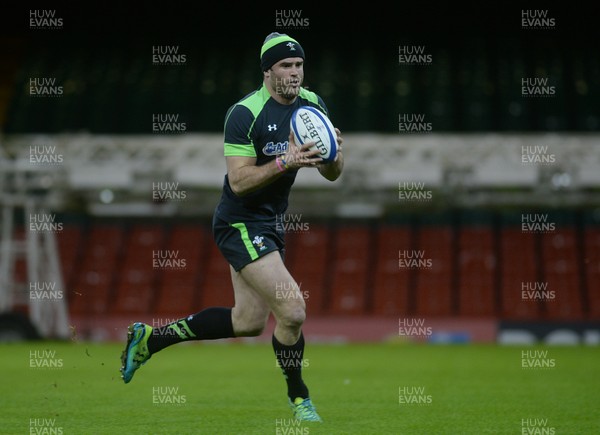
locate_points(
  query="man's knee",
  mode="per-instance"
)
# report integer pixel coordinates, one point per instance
(248, 325)
(293, 315)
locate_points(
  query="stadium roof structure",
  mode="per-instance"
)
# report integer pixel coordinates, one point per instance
(120, 174)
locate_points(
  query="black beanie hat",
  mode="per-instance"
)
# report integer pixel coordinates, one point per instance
(278, 46)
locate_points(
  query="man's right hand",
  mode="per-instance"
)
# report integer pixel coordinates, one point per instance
(301, 157)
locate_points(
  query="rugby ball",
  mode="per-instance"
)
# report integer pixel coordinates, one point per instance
(309, 124)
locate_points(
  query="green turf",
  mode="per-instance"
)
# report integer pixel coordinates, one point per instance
(236, 389)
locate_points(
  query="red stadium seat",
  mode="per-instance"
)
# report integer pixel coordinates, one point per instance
(353, 270)
(519, 270)
(95, 279)
(390, 282)
(351, 254)
(433, 285)
(179, 288)
(311, 276)
(217, 289)
(476, 271)
(137, 279)
(591, 262)
(561, 274)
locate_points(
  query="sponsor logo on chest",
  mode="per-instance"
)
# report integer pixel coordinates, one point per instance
(274, 147)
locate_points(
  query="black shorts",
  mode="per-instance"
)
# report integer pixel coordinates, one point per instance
(241, 243)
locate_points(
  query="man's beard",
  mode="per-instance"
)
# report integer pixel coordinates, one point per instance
(288, 95)
(287, 90)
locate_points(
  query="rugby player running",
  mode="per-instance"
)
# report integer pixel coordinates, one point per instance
(262, 162)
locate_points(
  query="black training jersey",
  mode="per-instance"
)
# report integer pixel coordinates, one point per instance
(258, 126)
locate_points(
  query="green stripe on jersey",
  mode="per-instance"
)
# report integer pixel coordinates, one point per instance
(309, 95)
(312, 97)
(241, 227)
(255, 102)
(239, 150)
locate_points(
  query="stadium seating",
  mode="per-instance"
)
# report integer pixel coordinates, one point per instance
(349, 265)
(216, 289)
(97, 269)
(591, 263)
(519, 268)
(312, 276)
(434, 284)
(178, 288)
(390, 284)
(137, 277)
(562, 274)
(476, 270)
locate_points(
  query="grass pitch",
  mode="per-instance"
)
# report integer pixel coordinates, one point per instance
(235, 388)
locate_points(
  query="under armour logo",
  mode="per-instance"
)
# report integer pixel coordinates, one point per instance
(272, 127)
(291, 45)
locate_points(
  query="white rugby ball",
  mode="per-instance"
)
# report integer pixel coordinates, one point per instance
(309, 124)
